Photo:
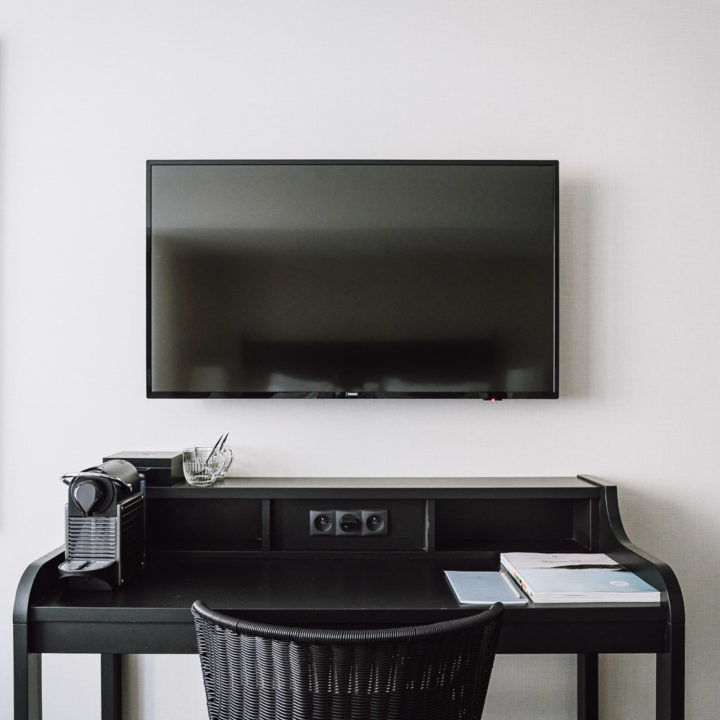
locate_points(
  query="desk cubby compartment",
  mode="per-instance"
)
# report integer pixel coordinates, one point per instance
(209, 524)
(505, 525)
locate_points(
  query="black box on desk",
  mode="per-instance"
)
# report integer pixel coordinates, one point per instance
(158, 467)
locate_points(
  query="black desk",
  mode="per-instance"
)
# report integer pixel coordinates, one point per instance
(244, 547)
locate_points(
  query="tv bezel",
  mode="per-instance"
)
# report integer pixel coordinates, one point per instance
(483, 395)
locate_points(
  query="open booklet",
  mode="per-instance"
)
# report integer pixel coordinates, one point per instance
(576, 578)
(484, 588)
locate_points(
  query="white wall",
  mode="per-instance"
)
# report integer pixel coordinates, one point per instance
(624, 94)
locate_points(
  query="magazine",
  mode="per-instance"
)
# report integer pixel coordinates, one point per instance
(576, 578)
(484, 588)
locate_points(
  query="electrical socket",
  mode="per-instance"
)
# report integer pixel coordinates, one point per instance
(322, 522)
(349, 522)
(374, 522)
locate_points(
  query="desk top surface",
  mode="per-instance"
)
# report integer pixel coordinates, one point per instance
(301, 588)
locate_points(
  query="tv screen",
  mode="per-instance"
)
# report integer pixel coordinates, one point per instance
(341, 279)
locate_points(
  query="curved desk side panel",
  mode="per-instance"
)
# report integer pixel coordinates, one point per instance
(615, 542)
(670, 663)
(38, 578)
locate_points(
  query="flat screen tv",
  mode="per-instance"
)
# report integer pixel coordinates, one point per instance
(352, 279)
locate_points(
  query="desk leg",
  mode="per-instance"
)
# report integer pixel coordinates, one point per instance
(111, 686)
(28, 677)
(670, 677)
(587, 686)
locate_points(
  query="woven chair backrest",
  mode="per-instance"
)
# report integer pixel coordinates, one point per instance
(257, 671)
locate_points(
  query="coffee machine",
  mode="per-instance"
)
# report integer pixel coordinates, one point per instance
(104, 525)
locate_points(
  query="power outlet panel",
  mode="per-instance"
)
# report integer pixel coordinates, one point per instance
(349, 522)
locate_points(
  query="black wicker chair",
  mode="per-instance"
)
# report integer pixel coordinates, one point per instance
(255, 671)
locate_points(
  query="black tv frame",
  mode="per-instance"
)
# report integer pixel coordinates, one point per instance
(489, 396)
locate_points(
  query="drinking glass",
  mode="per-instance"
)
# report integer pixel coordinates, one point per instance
(202, 467)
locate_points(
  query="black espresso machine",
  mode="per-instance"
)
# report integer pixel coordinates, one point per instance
(104, 525)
